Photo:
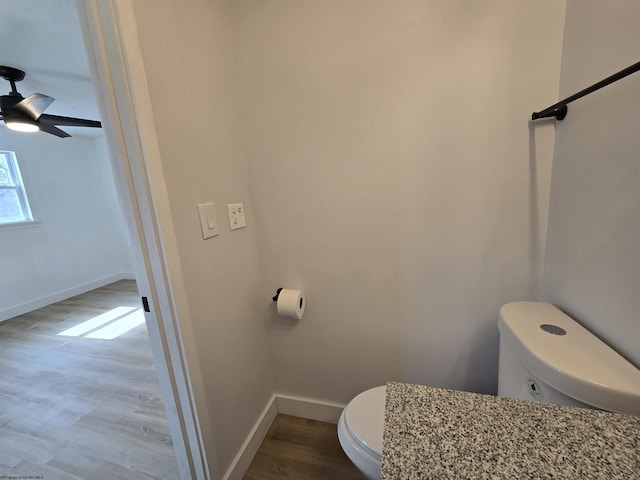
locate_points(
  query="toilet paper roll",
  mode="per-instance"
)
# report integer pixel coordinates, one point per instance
(291, 303)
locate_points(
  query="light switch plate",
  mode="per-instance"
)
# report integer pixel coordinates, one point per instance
(208, 220)
(236, 216)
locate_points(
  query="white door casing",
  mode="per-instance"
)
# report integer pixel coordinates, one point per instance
(115, 60)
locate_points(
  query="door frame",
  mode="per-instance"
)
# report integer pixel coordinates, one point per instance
(115, 60)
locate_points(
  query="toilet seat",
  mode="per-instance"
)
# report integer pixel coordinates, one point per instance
(364, 420)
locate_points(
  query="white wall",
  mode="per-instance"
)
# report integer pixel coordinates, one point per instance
(79, 241)
(394, 177)
(188, 61)
(592, 267)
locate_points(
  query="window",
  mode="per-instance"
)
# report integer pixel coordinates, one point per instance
(14, 206)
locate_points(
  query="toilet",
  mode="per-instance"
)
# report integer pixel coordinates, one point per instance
(545, 356)
(360, 431)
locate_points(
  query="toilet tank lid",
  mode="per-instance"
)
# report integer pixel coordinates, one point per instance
(364, 418)
(576, 363)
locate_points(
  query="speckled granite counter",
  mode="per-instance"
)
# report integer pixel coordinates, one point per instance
(430, 433)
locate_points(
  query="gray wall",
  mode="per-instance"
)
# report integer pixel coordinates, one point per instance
(391, 177)
(188, 60)
(592, 266)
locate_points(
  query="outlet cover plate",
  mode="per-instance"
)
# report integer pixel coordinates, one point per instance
(236, 216)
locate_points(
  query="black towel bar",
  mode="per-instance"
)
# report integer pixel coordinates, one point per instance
(559, 110)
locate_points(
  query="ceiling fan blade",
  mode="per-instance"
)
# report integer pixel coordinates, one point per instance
(34, 105)
(54, 131)
(68, 121)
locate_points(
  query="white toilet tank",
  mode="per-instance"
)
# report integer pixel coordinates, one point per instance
(546, 356)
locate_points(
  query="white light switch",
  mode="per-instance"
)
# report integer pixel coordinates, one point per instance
(236, 216)
(208, 220)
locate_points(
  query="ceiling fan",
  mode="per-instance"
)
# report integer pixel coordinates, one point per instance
(26, 114)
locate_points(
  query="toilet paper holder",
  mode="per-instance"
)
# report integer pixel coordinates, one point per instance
(275, 299)
(290, 303)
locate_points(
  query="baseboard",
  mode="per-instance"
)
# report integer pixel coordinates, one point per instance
(287, 405)
(32, 305)
(251, 445)
(309, 408)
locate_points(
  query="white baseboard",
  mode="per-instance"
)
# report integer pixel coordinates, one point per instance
(251, 445)
(32, 305)
(287, 405)
(309, 408)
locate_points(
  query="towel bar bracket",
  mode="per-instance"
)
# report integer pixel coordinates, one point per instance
(559, 113)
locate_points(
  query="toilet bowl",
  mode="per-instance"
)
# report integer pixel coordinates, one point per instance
(360, 431)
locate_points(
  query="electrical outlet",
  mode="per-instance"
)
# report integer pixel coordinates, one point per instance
(236, 216)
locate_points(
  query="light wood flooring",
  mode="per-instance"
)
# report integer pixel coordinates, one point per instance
(79, 408)
(300, 449)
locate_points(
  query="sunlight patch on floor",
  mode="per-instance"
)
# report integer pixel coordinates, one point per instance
(108, 325)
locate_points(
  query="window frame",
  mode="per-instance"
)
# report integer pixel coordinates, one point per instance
(17, 185)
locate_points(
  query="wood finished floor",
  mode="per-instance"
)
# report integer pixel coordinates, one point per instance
(76, 408)
(300, 449)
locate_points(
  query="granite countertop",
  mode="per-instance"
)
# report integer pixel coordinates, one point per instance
(431, 433)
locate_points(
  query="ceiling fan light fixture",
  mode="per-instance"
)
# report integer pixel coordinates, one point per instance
(21, 125)
(27, 114)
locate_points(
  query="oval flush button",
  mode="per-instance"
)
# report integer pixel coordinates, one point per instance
(553, 329)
